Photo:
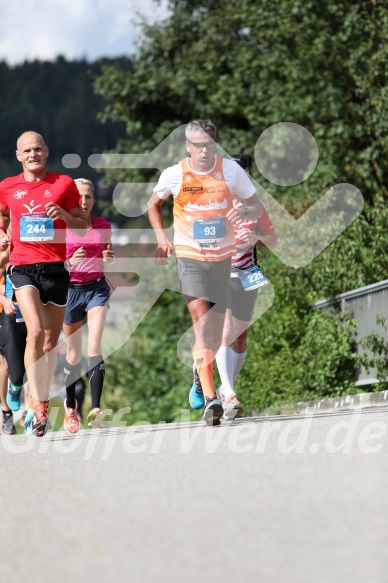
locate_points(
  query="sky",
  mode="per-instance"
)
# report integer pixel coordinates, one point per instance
(75, 29)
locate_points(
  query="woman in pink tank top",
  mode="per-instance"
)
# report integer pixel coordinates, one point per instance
(88, 299)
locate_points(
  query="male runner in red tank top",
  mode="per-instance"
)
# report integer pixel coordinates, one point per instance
(41, 204)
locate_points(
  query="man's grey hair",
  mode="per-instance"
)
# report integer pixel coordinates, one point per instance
(85, 181)
(200, 125)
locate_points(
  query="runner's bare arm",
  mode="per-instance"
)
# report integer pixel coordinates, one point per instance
(164, 248)
(4, 218)
(4, 253)
(268, 241)
(4, 237)
(74, 219)
(251, 238)
(242, 209)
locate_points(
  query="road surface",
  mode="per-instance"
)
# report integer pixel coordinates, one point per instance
(272, 499)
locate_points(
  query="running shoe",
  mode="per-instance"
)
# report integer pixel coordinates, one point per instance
(23, 418)
(27, 421)
(196, 398)
(14, 395)
(232, 407)
(213, 411)
(95, 418)
(40, 422)
(7, 426)
(71, 422)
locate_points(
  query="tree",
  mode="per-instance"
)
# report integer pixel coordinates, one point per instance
(57, 100)
(248, 65)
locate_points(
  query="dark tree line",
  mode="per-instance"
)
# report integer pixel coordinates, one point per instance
(57, 100)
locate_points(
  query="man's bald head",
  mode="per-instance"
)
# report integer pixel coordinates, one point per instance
(32, 152)
(27, 136)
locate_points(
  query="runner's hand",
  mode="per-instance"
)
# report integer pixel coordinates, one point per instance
(247, 235)
(108, 254)
(5, 241)
(236, 214)
(9, 307)
(163, 251)
(77, 257)
(54, 211)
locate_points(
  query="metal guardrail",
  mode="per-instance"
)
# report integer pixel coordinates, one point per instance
(365, 304)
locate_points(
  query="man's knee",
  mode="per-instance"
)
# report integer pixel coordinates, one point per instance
(240, 343)
(73, 356)
(50, 345)
(35, 335)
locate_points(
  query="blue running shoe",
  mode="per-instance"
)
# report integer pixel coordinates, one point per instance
(28, 427)
(196, 398)
(14, 395)
(213, 411)
(28, 420)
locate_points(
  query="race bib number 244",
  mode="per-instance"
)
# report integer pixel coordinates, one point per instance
(36, 228)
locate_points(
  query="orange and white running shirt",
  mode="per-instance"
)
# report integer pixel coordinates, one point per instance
(201, 201)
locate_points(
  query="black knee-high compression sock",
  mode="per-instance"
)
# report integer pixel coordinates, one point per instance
(72, 374)
(96, 378)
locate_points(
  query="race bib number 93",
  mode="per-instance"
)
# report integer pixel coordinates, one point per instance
(211, 231)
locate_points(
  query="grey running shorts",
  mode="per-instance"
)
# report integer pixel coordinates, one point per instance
(205, 279)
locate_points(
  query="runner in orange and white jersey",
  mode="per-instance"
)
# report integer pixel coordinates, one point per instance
(211, 194)
(245, 280)
(202, 200)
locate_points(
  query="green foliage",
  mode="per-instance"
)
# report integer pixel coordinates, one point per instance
(247, 65)
(296, 352)
(57, 100)
(356, 258)
(146, 373)
(375, 353)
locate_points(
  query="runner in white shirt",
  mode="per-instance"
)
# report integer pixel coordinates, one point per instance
(245, 280)
(211, 194)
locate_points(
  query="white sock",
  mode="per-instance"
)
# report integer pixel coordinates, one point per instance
(225, 365)
(238, 361)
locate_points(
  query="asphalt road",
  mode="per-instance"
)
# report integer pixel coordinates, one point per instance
(275, 499)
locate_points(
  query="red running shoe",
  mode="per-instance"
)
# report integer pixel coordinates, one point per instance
(71, 422)
(40, 422)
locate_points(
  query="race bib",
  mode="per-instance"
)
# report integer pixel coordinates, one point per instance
(18, 315)
(252, 278)
(211, 231)
(36, 228)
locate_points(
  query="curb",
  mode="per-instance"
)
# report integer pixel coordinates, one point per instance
(358, 401)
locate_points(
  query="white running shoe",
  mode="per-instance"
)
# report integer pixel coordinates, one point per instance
(232, 407)
(95, 418)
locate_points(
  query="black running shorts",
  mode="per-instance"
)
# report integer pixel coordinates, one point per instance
(50, 279)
